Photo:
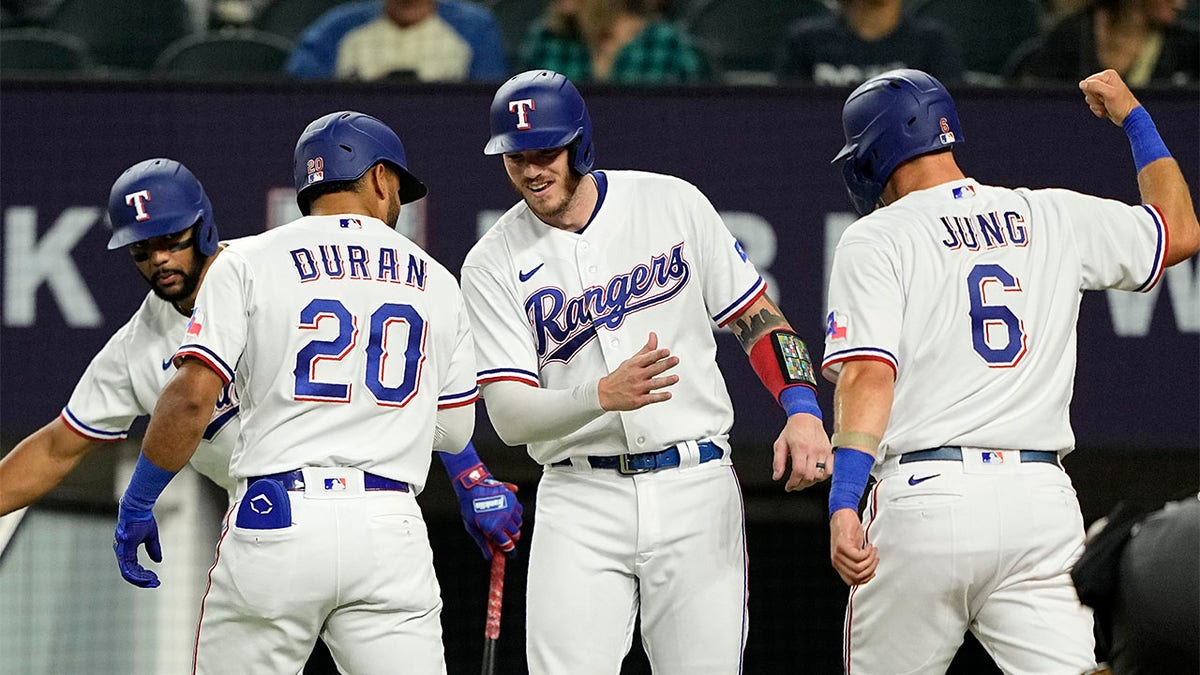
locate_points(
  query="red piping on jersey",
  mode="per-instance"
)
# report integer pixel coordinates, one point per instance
(506, 378)
(79, 432)
(859, 357)
(1161, 264)
(217, 559)
(850, 603)
(458, 404)
(206, 361)
(741, 309)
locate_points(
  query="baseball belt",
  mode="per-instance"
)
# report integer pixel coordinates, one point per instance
(294, 480)
(629, 465)
(953, 453)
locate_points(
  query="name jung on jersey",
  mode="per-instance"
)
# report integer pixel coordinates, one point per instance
(962, 232)
(571, 322)
(336, 261)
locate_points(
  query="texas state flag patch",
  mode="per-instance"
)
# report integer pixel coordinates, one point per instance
(196, 322)
(835, 326)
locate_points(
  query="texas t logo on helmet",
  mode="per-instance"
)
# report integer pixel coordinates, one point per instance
(522, 108)
(138, 201)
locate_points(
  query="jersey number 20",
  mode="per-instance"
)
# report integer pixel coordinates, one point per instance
(988, 319)
(378, 356)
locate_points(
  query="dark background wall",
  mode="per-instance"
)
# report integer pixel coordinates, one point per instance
(761, 155)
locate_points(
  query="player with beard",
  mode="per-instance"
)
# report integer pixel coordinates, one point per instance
(160, 212)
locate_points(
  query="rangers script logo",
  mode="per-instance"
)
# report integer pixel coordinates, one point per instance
(564, 325)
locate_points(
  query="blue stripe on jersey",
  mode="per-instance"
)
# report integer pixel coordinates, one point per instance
(207, 356)
(506, 371)
(732, 310)
(602, 190)
(1160, 253)
(219, 422)
(858, 351)
(460, 397)
(98, 434)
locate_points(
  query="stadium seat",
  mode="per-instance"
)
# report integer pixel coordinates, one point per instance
(237, 51)
(289, 18)
(989, 31)
(746, 35)
(41, 49)
(124, 33)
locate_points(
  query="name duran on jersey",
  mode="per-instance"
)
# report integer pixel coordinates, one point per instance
(570, 323)
(962, 232)
(337, 261)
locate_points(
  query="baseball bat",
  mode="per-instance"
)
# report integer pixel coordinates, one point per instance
(491, 628)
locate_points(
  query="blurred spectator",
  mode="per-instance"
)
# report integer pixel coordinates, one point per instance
(865, 38)
(29, 12)
(1140, 39)
(1140, 575)
(431, 40)
(611, 40)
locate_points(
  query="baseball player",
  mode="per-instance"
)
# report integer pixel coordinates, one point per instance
(352, 351)
(160, 212)
(593, 301)
(951, 336)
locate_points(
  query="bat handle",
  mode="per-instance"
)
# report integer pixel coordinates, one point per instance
(495, 596)
(491, 629)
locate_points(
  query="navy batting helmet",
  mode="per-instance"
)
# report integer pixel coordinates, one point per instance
(341, 146)
(889, 119)
(541, 109)
(158, 197)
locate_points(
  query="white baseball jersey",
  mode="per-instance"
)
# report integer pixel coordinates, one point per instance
(971, 293)
(346, 338)
(556, 309)
(124, 380)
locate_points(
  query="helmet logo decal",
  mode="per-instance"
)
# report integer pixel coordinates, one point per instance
(138, 201)
(316, 170)
(522, 108)
(947, 136)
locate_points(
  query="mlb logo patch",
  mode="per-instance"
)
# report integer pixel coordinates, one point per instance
(350, 223)
(835, 326)
(195, 323)
(946, 138)
(316, 176)
(335, 484)
(992, 457)
(964, 191)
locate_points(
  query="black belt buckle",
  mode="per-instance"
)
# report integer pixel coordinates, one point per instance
(624, 469)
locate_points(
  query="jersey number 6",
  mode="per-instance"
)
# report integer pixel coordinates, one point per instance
(986, 318)
(382, 320)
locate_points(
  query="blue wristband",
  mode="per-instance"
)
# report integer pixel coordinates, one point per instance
(459, 462)
(1144, 140)
(145, 485)
(799, 399)
(851, 469)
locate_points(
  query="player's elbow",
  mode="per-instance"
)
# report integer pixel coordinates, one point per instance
(1184, 239)
(453, 429)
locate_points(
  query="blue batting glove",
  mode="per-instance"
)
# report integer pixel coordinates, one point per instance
(134, 528)
(490, 510)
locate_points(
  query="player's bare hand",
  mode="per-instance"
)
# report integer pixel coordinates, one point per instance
(1108, 96)
(804, 444)
(852, 556)
(640, 379)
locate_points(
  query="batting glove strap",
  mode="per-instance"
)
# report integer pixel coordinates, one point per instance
(473, 477)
